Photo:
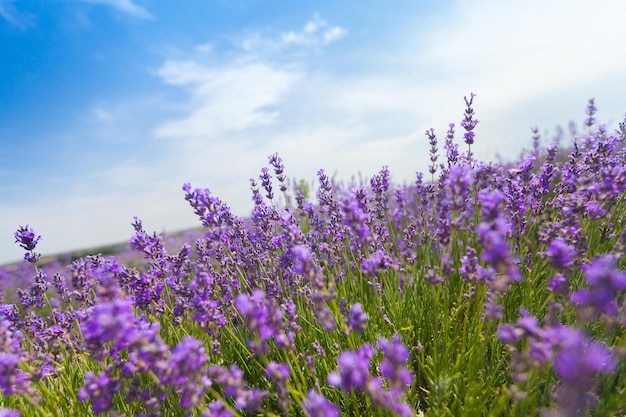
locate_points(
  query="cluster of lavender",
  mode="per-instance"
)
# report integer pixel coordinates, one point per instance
(490, 290)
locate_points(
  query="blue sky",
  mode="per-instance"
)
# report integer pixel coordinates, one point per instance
(108, 106)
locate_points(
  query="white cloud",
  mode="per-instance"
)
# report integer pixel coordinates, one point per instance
(519, 50)
(235, 97)
(315, 32)
(125, 6)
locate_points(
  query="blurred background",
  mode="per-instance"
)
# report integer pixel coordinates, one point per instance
(108, 106)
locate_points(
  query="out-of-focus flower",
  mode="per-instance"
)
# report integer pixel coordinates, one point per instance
(590, 111)
(605, 280)
(109, 321)
(358, 317)
(353, 369)
(12, 379)
(262, 317)
(279, 373)
(559, 284)
(217, 409)
(235, 387)
(560, 254)
(99, 390)
(375, 262)
(509, 334)
(316, 405)
(185, 371)
(393, 367)
(579, 362)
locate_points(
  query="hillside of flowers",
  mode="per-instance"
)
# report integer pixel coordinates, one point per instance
(481, 289)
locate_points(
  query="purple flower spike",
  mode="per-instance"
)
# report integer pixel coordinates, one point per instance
(468, 123)
(99, 390)
(590, 111)
(354, 370)
(217, 409)
(279, 170)
(316, 405)
(578, 364)
(509, 334)
(8, 372)
(559, 284)
(185, 368)
(26, 237)
(393, 367)
(279, 373)
(602, 272)
(560, 254)
(263, 318)
(358, 317)
(605, 281)
(28, 240)
(109, 321)
(491, 202)
(303, 260)
(376, 261)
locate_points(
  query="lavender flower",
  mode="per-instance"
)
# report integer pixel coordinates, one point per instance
(559, 284)
(28, 240)
(99, 390)
(109, 321)
(266, 183)
(468, 123)
(9, 372)
(590, 111)
(393, 367)
(262, 317)
(432, 140)
(452, 149)
(279, 170)
(316, 405)
(605, 281)
(375, 262)
(579, 361)
(279, 373)
(235, 387)
(509, 334)
(12, 379)
(353, 369)
(217, 409)
(560, 254)
(185, 371)
(358, 317)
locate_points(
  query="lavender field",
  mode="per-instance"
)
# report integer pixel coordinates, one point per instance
(481, 289)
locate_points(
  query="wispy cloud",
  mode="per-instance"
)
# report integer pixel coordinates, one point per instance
(235, 97)
(16, 18)
(125, 6)
(315, 32)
